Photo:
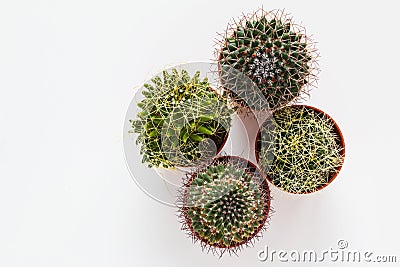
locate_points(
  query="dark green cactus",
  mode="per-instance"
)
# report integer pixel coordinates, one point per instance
(273, 52)
(182, 120)
(300, 149)
(225, 205)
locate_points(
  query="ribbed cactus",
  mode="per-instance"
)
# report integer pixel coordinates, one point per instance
(225, 205)
(183, 121)
(273, 52)
(300, 149)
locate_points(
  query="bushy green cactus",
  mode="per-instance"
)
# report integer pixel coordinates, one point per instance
(300, 149)
(225, 205)
(273, 52)
(182, 120)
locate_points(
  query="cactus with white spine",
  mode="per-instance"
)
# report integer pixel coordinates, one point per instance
(300, 149)
(274, 52)
(182, 120)
(225, 205)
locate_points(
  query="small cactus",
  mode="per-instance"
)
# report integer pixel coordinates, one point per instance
(300, 149)
(225, 205)
(182, 120)
(273, 52)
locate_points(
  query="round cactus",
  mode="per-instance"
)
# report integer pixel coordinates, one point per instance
(225, 205)
(300, 149)
(183, 121)
(273, 52)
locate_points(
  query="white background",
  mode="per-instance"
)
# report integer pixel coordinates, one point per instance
(67, 74)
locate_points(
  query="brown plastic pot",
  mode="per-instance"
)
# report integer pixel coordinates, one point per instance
(342, 153)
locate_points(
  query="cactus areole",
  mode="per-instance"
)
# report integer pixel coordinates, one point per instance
(225, 205)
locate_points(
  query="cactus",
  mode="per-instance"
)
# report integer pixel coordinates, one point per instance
(225, 205)
(182, 120)
(273, 52)
(300, 149)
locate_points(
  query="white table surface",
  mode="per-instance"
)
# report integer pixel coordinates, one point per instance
(68, 70)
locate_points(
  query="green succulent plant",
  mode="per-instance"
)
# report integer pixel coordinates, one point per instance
(300, 149)
(182, 120)
(273, 52)
(225, 205)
